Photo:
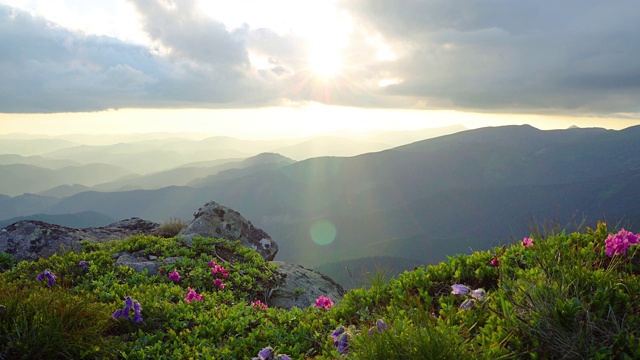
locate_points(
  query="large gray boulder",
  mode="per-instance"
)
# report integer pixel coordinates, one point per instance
(217, 221)
(300, 287)
(30, 240)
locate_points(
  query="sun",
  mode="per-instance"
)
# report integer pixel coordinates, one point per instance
(326, 58)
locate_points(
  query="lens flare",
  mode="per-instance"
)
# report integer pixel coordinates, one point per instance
(323, 232)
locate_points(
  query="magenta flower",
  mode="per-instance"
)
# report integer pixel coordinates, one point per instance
(192, 296)
(219, 284)
(323, 302)
(495, 262)
(460, 289)
(217, 269)
(47, 274)
(174, 276)
(527, 242)
(259, 304)
(212, 263)
(619, 243)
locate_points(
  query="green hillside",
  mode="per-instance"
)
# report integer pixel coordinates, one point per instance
(567, 296)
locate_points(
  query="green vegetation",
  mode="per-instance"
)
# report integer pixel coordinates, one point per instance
(557, 297)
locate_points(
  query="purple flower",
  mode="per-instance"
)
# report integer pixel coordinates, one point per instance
(136, 307)
(323, 302)
(380, 327)
(266, 353)
(84, 265)
(479, 294)
(337, 332)
(116, 314)
(342, 344)
(619, 243)
(527, 242)
(467, 304)
(174, 276)
(128, 303)
(48, 275)
(283, 357)
(460, 289)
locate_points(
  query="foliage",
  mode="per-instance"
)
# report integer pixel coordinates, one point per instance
(170, 228)
(558, 296)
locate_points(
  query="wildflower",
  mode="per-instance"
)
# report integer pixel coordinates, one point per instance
(130, 305)
(116, 314)
(217, 269)
(48, 275)
(619, 243)
(460, 289)
(479, 294)
(212, 263)
(283, 357)
(323, 302)
(266, 353)
(337, 332)
(258, 304)
(174, 276)
(342, 344)
(219, 284)
(467, 304)
(380, 327)
(192, 296)
(527, 242)
(84, 265)
(495, 261)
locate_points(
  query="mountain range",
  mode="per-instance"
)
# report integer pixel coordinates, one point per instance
(420, 202)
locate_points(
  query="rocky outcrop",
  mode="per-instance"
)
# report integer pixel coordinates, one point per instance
(139, 262)
(30, 240)
(300, 287)
(216, 221)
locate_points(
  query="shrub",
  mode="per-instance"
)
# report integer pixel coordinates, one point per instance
(170, 228)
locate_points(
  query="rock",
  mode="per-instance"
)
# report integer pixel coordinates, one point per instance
(30, 240)
(216, 221)
(139, 262)
(300, 287)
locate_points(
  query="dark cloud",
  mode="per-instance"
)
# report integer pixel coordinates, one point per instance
(500, 55)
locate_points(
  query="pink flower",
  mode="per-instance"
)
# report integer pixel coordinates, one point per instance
(323, 302)
(219, 284)
(192, 296)
(174, 276)
(217, 269)
(258, 304)
(527, 242)
(619, 243)
(495, 261)
(212, 263)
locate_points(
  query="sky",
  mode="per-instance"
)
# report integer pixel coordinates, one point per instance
(289, 67)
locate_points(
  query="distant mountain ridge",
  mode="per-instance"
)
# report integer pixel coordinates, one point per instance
(420, 201)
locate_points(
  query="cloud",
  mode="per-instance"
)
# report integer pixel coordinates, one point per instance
(499, 55)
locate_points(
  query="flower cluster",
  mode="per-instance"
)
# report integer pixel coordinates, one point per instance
(323, 302)
(476, 295)
(48, 275)
(527, 242)
(268, 354)
(192, 296)
(131, 307)
(174, 276)
(218, 270)
(380, 327)
(619, 243)
(340, 339)
(259, 304)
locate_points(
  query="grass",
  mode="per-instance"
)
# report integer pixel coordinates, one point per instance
(562, 298)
